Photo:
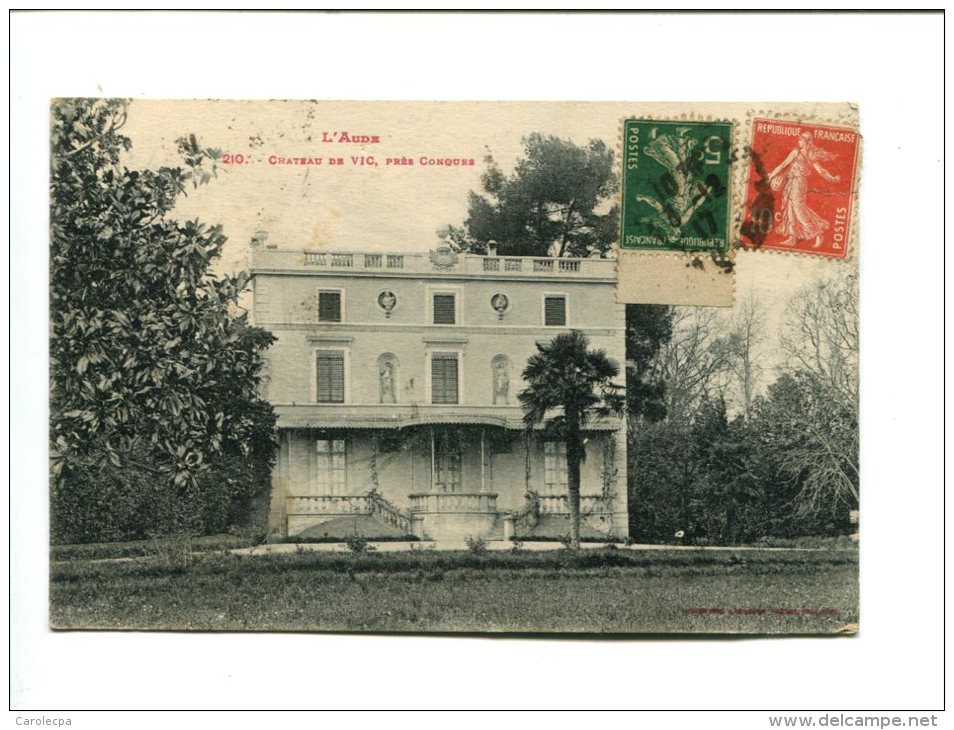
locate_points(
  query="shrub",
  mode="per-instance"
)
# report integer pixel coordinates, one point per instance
(358, 544)
(107, 503)
(324, 539)
(477, 545)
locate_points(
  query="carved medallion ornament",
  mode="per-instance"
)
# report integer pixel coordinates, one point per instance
(443, 258)
(387, 301)
(500, 303)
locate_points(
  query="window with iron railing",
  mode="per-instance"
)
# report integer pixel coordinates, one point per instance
(447, 463)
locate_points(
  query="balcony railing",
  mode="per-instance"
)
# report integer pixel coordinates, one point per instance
(557, 504)
(361, 504)
(328, 505)
(417, 263)
(453, 502)
(382, 509)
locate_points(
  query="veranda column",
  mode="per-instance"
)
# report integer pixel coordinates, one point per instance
(483, 485)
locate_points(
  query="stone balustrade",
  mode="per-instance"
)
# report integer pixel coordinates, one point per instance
(328, 505)
(417, 263)
(435, 502)
(557, 504)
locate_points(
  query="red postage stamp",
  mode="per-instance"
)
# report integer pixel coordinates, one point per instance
(800, 188)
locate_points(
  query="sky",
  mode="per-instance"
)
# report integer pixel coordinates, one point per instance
(373, 203)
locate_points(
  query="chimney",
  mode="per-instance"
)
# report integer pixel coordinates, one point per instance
(491, 248)
(259, 238)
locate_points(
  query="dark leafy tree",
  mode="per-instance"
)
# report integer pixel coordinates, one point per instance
(153, 368)
(663, 481)
(568, 385)
(648, 328)
(557, 202)
(698, 480)
(729, 495)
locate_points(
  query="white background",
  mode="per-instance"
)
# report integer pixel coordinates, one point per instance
(891, 64)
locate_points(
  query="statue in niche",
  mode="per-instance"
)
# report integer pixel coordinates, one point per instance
(501, 382)
(387, 382)
(264, 378)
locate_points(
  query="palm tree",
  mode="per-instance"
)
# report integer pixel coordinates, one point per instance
(568, 378)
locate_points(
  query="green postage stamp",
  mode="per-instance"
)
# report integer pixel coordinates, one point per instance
(676, 185)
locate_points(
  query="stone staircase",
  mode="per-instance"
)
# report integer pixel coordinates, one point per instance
(382, 509)
(496, 531)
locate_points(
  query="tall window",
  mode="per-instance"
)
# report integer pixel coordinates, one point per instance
(329, 306)
(445, 309)
(447, 463)
(331, 376)
(554, 467)
(554, 311)
(331, 467)
(444, 373)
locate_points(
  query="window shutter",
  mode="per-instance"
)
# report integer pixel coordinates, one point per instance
(554, 311)
(444, 309)
(329, 306)
(330, 376)
(443, 378)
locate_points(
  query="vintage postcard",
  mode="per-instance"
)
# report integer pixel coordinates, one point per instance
(558, 367)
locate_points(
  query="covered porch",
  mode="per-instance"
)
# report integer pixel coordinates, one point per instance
(437, 480)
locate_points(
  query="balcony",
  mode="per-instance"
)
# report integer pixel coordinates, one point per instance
(441, 502)
(387, 415)
(415, 264)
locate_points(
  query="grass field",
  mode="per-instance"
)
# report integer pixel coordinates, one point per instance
(601, 590)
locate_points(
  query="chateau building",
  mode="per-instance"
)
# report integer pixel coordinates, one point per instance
(395, 379)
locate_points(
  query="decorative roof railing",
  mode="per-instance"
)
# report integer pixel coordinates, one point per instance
(360, 262)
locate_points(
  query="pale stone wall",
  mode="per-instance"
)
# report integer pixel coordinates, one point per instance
(407, 470)
(285, 302)
(480, 336)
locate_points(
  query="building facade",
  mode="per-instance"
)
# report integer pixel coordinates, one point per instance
(395, 379)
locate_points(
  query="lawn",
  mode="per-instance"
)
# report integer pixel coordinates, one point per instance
(597, 590)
